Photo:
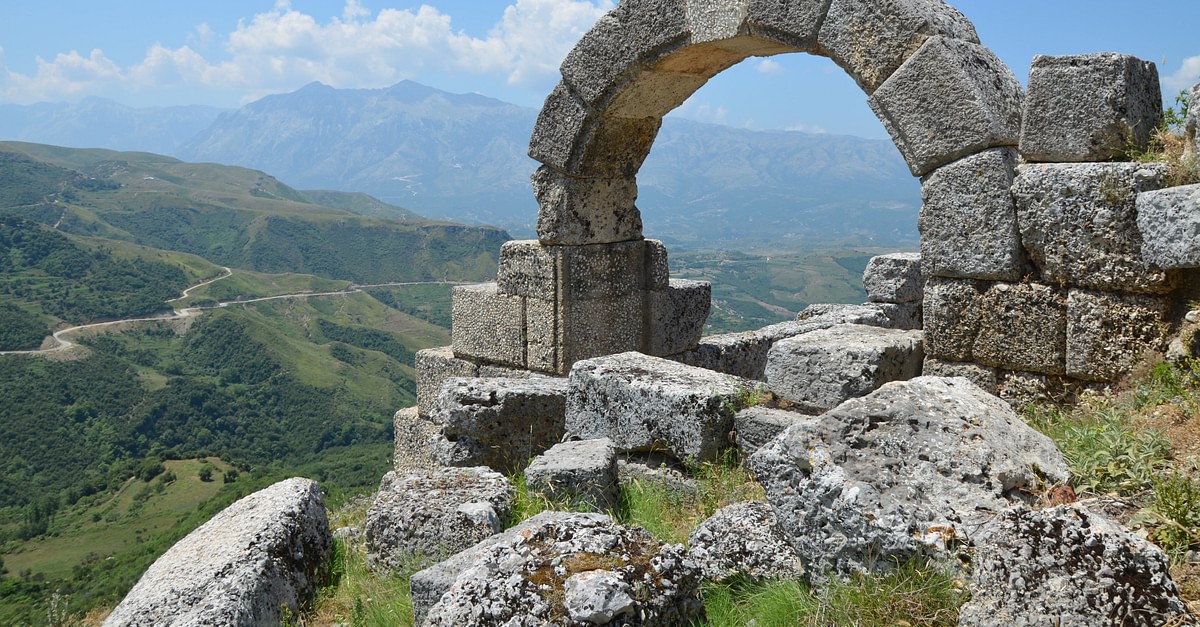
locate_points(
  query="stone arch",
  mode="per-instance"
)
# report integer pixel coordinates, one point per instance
(939, 93)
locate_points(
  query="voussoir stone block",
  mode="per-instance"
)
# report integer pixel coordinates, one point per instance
(645, 403)
(677, 316)
(1093, 107)
(950, 99)
(714, 20)
(952, 310)
(1169, 222)
(870, 39)
(582, 472)
(1023, 327)
(435, 365)
(1078, 223)
(894, 278)
(488, 325)
(820, 370)
(262, 556)
(1109, 334)
(968, 221)
(499, 423)
(562, 127)
(790, 22)
(578, 211)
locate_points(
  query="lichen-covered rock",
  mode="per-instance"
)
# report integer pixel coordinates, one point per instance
(541, 577)
(892, 474)
(580, 472)
(1068, 566)
(247, 565)
(744, 539)
(433, 513)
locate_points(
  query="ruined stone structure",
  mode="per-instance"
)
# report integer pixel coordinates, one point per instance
(1029, 243)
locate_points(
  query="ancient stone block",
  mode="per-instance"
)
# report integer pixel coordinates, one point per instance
(871, 314)
(1192, 125)
(788, 21)
(1023, 327)
(754, 427)
(655, 93)
(1093, 107)
(712, 20)
(951, 99)
(818, 371)
(870, 39)
(255, 562)
(881, 478)
(906, 316)
(542, 338)
(434, 513)
(580, 472)
(744, 540)
(1169, 223)
(677, 315)
(952, 318)
(968, 221)
(741, 354)
(1108, 334)
(1068, 565)
(435, 365)
(499, 423)
(488, 325)
(592, 328)
(562, 127)
(1078, 223)
(412, 441)
(645, 403)
(637, 32)
(615, 147)
(529, 268)
(984, 377)
(894, 278)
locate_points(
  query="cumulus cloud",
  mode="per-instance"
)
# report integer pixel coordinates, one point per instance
(285, 48)
(1187, 75)
(801, 127)
(768, 66)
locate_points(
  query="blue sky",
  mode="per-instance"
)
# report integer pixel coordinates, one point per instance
(229, 52)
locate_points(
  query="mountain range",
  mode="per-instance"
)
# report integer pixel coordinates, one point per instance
(463, 157)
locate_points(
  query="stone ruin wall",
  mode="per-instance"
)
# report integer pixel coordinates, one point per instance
(1030, 241)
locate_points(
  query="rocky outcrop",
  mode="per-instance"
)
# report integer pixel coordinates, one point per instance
(434, 513)
(257, 559)
(1068, 565)
(900, 471)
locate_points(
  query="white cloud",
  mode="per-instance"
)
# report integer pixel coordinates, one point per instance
(768, 66)
(801, 127)
(284, 48)
(1185, 77)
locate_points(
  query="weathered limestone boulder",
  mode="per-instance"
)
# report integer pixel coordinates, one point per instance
(744, 539)
(645, 403)
(897, 472)
(819, 370)
(1092, 107)
(499, 423)
(435, 365)
(1078, 223)
(578, 569)
(968, 221)
(1068, 566)
(1169, 222)
(894, 278)
(1109, 334)
(950, 99)
(432, 513)
(582, 472)
(413, 440)
(754, 427)
(259, 557)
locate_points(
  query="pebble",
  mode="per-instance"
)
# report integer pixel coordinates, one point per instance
(1193, 316)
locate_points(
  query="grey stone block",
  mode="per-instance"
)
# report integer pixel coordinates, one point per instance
(499, 423)
(412, 441)
(253, 563)
(488, 325)
(1078, 223)
(791, 22)
(563, 125)
(1093, 107)
(433, 513)
(744, 540)
(542, 337)
(905, 316)
(577, 211)
(427, 586)
(870, 39)
(820, 370)
(951, 99)
(1023, 327)
(754, 427)
(593, 328)
(655, 93)
(984, 377)
(1192, 124)
(952, 311)
(645, 403)
(740, 354)
(871, 314)
(1169, 223)
(968, 221)
(581, 472)
(894, 278)
(529, 268)
(435, 365)
(1109, 334)
(714, 20)
(677, 315)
